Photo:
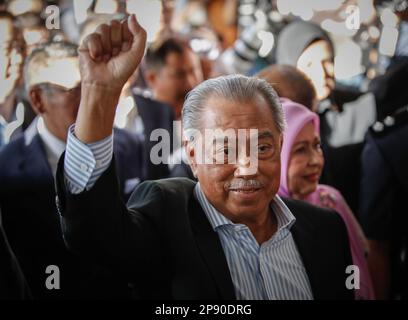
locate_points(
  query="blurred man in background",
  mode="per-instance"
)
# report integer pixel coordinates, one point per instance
(172, 69)
(30, 218)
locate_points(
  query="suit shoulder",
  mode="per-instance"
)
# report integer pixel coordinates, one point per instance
(311, 214)
(170, 185)
(11, 151)
(171, 190)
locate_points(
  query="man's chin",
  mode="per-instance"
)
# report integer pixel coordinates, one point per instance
(245, 197)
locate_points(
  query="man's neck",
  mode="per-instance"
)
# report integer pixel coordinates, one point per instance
(263, 227)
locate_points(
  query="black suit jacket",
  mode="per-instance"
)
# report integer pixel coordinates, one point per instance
(31, 221)
(163, 243)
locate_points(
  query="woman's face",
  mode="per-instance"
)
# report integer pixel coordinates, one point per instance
(306, 163)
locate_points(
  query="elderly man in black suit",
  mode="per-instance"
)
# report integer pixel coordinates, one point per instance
(229, 236)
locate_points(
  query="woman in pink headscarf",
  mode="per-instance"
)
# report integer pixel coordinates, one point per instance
(301, 166)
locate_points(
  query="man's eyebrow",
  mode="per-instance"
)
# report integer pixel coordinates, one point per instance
(222, 139)
(266, 134)
(262, 135)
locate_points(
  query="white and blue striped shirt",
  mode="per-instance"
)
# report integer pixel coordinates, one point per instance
(273, 270)
(85, 163)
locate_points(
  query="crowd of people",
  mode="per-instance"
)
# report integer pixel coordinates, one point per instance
(79, 190)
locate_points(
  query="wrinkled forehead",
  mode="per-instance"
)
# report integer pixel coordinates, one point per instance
(60, 71)
(224, 112)
(224, 119)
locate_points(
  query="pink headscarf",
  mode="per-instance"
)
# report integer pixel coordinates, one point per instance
(297, 116)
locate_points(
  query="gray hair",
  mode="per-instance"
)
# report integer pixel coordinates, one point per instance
(41, 55)
(232, 87)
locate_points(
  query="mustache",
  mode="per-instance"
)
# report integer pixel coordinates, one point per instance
(244, 184)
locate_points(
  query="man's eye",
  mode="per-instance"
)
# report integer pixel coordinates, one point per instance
(264, 148)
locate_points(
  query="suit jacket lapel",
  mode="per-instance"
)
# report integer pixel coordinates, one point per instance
(211, 249)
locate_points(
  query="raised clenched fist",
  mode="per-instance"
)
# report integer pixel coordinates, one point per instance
(110, 55)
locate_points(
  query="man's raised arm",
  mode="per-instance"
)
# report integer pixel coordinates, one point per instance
(94, 220)
(107, 57)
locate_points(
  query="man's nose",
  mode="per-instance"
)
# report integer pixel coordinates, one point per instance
(246, 166)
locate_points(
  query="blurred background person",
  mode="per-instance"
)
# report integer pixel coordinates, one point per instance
(301, 167)
(384, 188)
(309, 48)
(290, 83)
(27, 195)
(171, 70)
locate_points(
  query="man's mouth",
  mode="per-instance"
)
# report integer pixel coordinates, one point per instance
(245, 190)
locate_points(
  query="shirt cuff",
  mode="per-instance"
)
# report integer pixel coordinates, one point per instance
(85, 163)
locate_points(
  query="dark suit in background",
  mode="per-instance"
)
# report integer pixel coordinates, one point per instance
(155, 115)
(384, 194)
(31, 222)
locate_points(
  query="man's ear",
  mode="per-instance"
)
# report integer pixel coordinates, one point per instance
(36, 100)
(151, 77)
(190, 152)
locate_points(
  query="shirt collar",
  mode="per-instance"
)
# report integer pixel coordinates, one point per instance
(284, 216)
